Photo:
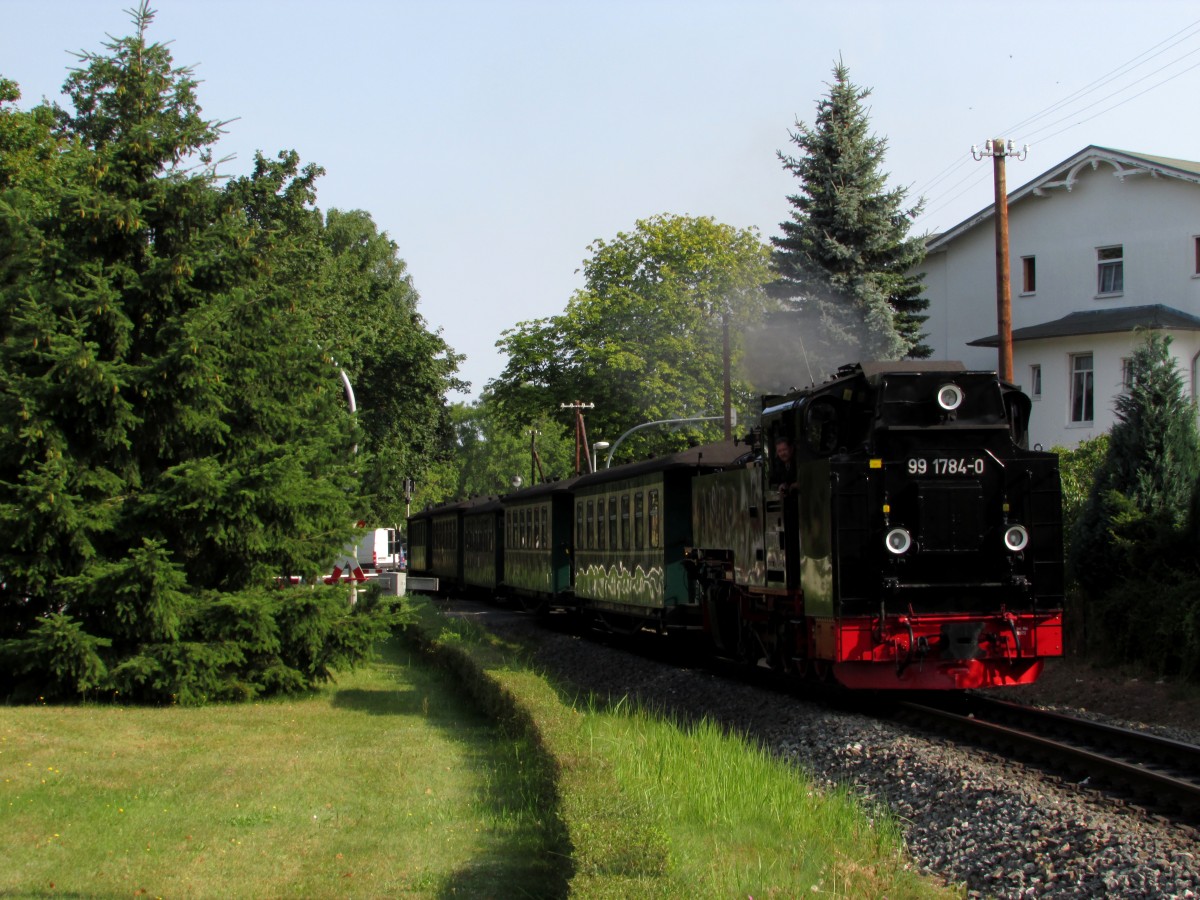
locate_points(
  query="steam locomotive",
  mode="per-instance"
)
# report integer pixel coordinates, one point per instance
(886, 529)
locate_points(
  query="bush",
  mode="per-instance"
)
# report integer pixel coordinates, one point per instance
(57, 659)
(230, 647)
(1077, 469)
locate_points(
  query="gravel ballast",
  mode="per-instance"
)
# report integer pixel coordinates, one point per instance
(970, 818)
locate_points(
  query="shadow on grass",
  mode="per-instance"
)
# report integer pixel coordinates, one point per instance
(517, 798)
(540, 878)
(378, 702)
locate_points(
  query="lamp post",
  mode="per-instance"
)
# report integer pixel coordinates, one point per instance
(596, 448)
(998, 149)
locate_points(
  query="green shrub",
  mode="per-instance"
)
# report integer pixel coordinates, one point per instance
(57, 659)
(1077, 468)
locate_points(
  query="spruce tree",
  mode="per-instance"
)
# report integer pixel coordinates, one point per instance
(173, 437)
(1128, 534)
(844, 255)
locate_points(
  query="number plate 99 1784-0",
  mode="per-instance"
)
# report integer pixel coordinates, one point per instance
(970, 466)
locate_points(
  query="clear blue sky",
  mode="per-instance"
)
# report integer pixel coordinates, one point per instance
(493, 141)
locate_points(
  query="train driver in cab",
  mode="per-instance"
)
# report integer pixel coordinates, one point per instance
(783, 463)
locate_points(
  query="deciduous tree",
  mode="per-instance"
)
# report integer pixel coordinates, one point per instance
(643, 339)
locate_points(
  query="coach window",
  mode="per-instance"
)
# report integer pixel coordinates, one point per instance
(601, 527)
(655, 523)
(591, 523)
(545, 517)
(639, 521)
(612, 524)
(624, 521)
(578, 523)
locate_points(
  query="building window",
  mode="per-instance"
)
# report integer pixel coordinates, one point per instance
(1028, 274)
(1111, 270)
(1126, 374)
(1035, 382)
(1196, 255)
(1082, 385)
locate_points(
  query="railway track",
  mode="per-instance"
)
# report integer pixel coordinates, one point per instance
(1158, 773)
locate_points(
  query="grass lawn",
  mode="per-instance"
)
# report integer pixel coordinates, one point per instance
(387, 784)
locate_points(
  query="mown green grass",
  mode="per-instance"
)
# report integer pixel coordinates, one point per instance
(392, 783)
(387, 784)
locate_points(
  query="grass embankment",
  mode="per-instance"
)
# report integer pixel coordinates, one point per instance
(655, 809)
(391, 783)
(388, 784)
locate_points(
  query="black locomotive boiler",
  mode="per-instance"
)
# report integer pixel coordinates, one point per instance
(885, 529)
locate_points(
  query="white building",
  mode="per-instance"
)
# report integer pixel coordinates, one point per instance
(1103, 243)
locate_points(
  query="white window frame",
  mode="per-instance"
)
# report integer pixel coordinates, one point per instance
(1110, 270)
(1035, 381)
(1082, 400)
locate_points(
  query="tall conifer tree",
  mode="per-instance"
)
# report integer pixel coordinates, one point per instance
(1146, 480)
(844, 256)
(172, 435)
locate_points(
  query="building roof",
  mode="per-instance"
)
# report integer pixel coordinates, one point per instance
(1102, 321)
(1066, 174)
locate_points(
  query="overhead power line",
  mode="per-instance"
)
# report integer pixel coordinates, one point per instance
(938, 197)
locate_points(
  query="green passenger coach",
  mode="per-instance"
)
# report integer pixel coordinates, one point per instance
(631, 526)
(537, 545)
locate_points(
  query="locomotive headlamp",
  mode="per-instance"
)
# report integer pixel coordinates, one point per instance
(897, 541)
(949, 397)
(1016, 538)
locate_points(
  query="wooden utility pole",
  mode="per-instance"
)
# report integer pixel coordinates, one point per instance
(998, 149)
(582, 448)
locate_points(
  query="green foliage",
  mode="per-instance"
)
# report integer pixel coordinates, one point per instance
(1077, 470)
(643, 339)
(1131, 549)
(843, 258)
(57, 659)
(1148, 474)
(173, 429)
(492, 453)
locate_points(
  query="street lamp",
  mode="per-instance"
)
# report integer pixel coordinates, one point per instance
(599, 445)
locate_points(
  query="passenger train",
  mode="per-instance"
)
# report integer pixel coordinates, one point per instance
(886, 529)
